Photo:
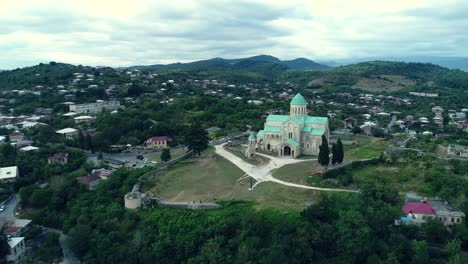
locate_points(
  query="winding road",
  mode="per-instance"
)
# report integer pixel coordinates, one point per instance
(263, 173)
(9, 215)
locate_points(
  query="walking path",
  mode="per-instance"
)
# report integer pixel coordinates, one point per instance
(263, 172)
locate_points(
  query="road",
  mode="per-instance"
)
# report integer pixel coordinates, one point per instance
(9, 215)
(263, 173)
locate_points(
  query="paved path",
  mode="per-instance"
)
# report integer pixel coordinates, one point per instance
(68, 257)
(263, 172)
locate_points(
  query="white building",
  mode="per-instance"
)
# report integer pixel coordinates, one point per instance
(8, 174)
(67, 132)
(93, 108)
(17, 249)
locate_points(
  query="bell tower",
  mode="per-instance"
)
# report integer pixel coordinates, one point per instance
(298, 106)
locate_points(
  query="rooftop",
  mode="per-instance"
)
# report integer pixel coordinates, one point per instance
(159, 138)
(8, 172)
(66, 130)
(418, 208)
(13, 241)
(298, 100)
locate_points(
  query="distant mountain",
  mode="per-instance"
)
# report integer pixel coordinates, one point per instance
(297, 64)
(304, 64)
(447, 62)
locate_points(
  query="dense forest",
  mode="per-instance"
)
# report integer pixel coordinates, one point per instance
(344, 228)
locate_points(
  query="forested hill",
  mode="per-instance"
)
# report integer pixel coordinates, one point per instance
(419, 71)
(386, 76)
(297, 64)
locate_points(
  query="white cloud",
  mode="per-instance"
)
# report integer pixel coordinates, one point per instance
(126, 32)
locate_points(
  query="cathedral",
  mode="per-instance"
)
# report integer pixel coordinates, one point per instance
(291, 135)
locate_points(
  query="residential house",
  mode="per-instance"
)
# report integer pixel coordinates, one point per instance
(17, 227)
(24, 143)
(91, 180)
(419, 210)
(157, 142)
(83, 119)
(16, 136)
(8, 174)
(28, 148)
(457, 150)
(367, 127)
(58, 158)
(68, 133)
(17, 249)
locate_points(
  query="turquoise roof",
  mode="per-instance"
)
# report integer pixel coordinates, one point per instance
(297, 120)
(260, 134)
(313, 131)
(317, 132)
(307, 129)
(293, 142)
(278, 118)
(252, 136)
(272, 129)
(316, 120)
(298, 100)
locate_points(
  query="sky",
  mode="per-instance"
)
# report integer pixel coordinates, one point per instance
(143, 32)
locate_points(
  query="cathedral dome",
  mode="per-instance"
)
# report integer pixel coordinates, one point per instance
(298, 100)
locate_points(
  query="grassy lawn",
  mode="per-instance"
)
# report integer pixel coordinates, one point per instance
(211, 177)
(298, 172)
(274, 195)
(174, 154)
(302, 173)
(404, 178)
(207, 178)
(365, 148)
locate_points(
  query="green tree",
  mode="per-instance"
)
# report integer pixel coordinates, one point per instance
(166, 155)
(81, 139)
(356, 129)
(340, 151)
(4, 247)
(453, 249)
(420, 252)
(334, 154)
(196, 138)
(324, 152)
(88, 142)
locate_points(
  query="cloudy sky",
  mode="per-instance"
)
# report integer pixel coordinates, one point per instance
(129, 32)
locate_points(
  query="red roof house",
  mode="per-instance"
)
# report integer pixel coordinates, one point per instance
(158, 142)
(422, 208)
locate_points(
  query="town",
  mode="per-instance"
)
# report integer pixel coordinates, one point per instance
(233, 132)
(99, 122)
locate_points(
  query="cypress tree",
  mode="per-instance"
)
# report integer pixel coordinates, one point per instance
(335, 154)
(324, 153)
(340, 151)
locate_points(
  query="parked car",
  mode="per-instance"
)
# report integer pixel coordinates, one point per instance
(140, 157)
(2, 208)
